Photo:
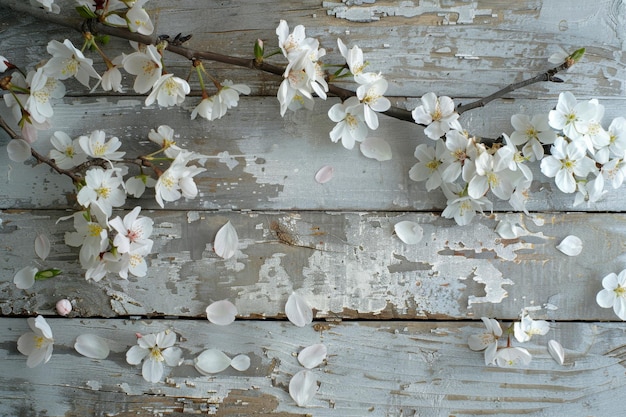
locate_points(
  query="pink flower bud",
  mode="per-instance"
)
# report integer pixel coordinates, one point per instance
(64, 307)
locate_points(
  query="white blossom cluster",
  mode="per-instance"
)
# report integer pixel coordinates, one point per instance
(511, 356)
(583, 155)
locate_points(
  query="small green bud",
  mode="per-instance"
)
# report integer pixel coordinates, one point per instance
(259, 50)
(47, 273)
(577, 55)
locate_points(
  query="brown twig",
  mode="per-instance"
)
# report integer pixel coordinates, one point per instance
(191, 54)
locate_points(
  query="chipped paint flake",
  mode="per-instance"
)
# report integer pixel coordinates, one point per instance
(355, 11)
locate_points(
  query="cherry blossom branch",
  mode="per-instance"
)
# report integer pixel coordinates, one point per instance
(39, 157)
(546, 76)
(96, 27)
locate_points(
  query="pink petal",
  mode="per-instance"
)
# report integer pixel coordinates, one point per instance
(42, 246)
(312, 356)
(325, 174)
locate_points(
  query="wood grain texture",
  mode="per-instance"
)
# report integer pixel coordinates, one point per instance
(347, 265)
(277, 158)
(373, 369)
(395, 317)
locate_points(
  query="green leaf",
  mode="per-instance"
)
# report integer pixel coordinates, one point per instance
(47, 273)
(85, 12)
(103, 39)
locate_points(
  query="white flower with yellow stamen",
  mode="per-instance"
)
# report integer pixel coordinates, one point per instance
(37, 345)
(153, 350)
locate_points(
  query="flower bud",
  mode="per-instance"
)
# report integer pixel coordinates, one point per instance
(259, 50)
(64, 307)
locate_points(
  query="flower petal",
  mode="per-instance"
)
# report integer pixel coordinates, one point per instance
(409, 232)
(92, 346)
(42, 246)
(302, 387)
(324, 174)
(313, 355)
(135, 355)
(152, 371)
(556, 351)
(18, 150)
(25, 277)
(240, 362)
(298, 311)
(571, 245)
(211, 361)
(508, 230)
(173, 356)
(376, 148)
(221, 312)
(226, 241)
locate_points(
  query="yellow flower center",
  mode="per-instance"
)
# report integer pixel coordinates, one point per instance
(433, 165)
(39, 340)
(620, 291)
(103, 192)
(94, 229)
(351, 121)
(568, 164)
(168, 182)
(155, 354)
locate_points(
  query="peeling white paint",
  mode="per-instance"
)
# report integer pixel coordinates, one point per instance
(355, 12)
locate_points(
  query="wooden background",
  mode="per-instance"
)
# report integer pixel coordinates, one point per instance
(395, 318)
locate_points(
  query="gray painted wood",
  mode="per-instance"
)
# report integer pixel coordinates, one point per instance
(334, 242)
(374, 369)
(347, 265)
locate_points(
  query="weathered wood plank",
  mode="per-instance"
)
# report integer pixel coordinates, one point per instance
(374, 369)
(277, 158)
(421, 46)
(348, 265)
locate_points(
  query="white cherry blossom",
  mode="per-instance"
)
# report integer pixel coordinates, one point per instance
(371, 95)
(438, 114)
(350, 119)
(512, 357)
(38, 343)
(526, 328)
(433, 161)
(96, 146)
(138, 19)
(488, 340)
(67, 153)
(177, 180)
(570, 116)
(102, 188)
(168, 91)
(154, 350)
(532, 134)
(614, 293)
(132, 230)
(565, 161)
(67, 61)
(146, 66)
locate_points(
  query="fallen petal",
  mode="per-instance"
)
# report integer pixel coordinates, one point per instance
(571, 245)
(92, 346)
(409, 232)
(302, 387)
(240, 362)
(226, 241)
(325, 174)
(25, 277)
(221, 312)
(556, 351)
(508, 230)
(376, 148)
(18, 150)
(211, 361)
(42, 246)
(313, 355)
(298, 311)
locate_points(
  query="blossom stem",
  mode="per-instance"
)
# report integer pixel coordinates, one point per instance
(39, 157)
(342, 93)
